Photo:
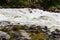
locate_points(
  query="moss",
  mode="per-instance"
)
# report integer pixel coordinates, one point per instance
(52, 8)
(38, 36)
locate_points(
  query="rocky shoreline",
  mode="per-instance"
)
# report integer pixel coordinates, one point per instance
(23, 32)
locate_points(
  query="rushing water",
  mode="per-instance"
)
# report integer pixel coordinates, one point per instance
(27, 16)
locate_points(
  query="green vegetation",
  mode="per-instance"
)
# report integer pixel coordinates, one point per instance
(42, 4)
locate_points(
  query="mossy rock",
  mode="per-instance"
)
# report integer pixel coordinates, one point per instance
(39, 36)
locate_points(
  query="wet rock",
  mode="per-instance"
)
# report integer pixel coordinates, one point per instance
(24, 34)
(3, 24)
(55, 35)
(16, 35)
(4, 35)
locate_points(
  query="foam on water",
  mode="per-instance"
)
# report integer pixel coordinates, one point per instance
(37, 17)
